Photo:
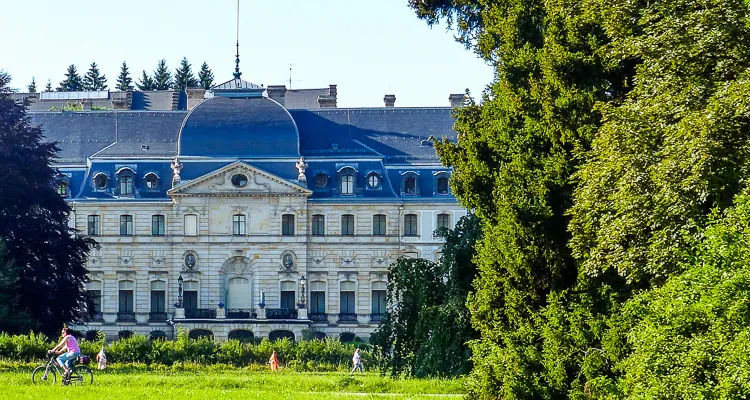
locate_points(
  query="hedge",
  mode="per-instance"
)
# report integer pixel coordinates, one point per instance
(327, 354)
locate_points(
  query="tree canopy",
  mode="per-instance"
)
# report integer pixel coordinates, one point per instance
(124, 81)
(94, 79)
(184, 77)
(162, 78)
(146, 82)
(72, 81)
(205, 77)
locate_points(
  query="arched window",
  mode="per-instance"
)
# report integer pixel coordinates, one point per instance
(157, 335)
(126, 185)
(101, 181)
(409, 185)
(63, 189)
(442, 186)
(347, 182)
(281, 334)
(201, 333)
(151, 180)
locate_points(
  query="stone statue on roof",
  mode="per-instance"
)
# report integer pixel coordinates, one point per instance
(176, 168)
(301, 167)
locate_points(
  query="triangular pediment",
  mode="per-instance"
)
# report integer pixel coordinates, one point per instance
(239, 179)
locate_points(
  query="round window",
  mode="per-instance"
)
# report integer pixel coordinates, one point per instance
(101, 181)
(239, 180)
(151, 181)
(373, 181)
(321, 180)
(190, 260)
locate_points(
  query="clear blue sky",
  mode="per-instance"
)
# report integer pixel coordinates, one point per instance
(367, 48)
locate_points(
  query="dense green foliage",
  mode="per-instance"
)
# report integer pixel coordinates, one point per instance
(124, 81)
(146, 83)
(426, 330)
(162, 78)
(32, 86)
(94, 79)
(184, 77)
(72, 81)
(610, 134)
(205, 77)
(48, 86)
(43, 262)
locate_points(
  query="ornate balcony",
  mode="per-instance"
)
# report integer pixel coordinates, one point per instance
(241, 313)
(200, 313)
(318, 317)
(348, 317)
(125, 317)
(281, 313)
(377, 317)
(155, 316)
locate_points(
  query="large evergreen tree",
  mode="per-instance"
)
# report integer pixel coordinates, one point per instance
(48, 86)
(205, 76)
(146, 83)
(184, 77)
(72, 81)
(94, 79)
(40, 249)
(124, 81)
(162, 77)
(32, 86)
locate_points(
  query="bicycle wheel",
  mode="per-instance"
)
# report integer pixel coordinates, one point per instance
(44, 374)
(82, 375)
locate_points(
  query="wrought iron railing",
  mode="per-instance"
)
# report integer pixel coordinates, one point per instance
(241, 313)
(200, 313)
(125, 317)
(347, 317)
(318, 316)
(281, 313)
(156, 316)
(377, 317)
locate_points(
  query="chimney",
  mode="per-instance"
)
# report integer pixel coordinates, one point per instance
(390, 100)
(329, 100)
(457, 99)
(278, 93)
(194, 96)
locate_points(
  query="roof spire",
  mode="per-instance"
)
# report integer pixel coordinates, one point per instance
(237, 72)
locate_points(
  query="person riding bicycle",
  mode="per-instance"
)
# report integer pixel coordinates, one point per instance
(68, 350)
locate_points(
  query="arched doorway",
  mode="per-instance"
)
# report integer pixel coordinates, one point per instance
(157, 335)
(200, 333)
(348, 337)
(281, 334)
(243, 335)
(238, 293)
(124, 334)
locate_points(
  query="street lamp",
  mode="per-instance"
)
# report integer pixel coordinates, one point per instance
(302, 283)
(179, 291)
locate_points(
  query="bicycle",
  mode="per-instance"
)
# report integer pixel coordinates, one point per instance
(80, 374)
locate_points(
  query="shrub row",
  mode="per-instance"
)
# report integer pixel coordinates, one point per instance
(325, 354)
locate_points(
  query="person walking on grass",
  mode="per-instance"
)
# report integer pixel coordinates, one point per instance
(274, 361)
(357, 361)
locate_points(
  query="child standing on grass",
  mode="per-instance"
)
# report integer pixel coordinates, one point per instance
(357, 361)
(101, 358)
(274, 361)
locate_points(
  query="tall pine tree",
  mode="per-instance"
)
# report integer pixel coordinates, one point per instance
(206, 76)
(32, 86)
(48, 87)
(43, 259)
(124, 81)
(72, 81)
(162, 76)
(94, 79)
(183, 76)
(146, 83)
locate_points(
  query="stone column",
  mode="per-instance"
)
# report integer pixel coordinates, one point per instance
(179, 313)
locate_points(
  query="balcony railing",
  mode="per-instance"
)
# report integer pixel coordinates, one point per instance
(200, 313)
(241, 313)
(377, 317)
(347, 317)
(156, 316)
(281, 313)
(318, 316)
(125, 317)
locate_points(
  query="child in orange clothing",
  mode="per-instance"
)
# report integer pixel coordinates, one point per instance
(274, 361)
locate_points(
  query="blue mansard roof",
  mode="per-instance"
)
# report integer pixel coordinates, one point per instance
(389, 142)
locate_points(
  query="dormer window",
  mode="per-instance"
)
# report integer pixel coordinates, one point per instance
(63, 189)
(151, 180)
(125, 181)
(441, 184)
(347, 181)
(101, 181)
(321, 180)
(409, 185)
(373, 180)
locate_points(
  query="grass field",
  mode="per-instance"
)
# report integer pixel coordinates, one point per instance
(237, 384)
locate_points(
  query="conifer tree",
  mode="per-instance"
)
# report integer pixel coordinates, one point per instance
(124, 81)
(146, 83)
(72, 81)
(206, 76)
(183, 76)
(94, 79)
(32, 86)
(162, 76)
(48, 87)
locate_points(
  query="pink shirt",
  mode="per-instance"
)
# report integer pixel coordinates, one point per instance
(72, 344)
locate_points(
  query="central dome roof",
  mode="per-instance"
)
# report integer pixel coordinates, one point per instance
(239, 128)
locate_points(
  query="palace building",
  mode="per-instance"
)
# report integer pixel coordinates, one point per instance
(244, 210)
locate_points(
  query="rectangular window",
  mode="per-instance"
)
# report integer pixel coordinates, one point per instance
(347, 225)
(93, 226)
(191, 225)
(238, 225)
(126, 225)
(347, 184)
(126, 186)
(378, 225)
(378, 301)
(96, 303)
(443, 221)
(347, 302)
(287, 224)
(190, 299)
(126, 301)
(158, 225)
(319, 225)
(158, 301)
(318, 302)
(410, 225)
(287, 299)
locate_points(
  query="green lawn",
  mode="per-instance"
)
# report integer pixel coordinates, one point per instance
(237, 384)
